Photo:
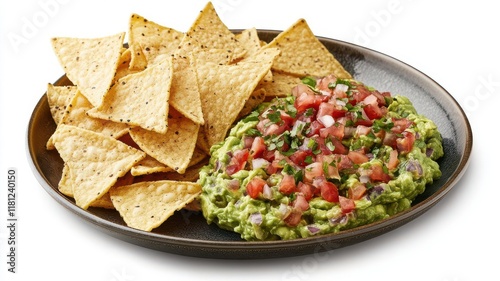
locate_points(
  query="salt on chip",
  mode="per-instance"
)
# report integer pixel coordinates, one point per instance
(96, 161)
(184, 93)
(303, 54)
(174, 148)
(146, 205)
(152, 38)
(76, 115)
(209, 32)
(224, 90)
(90, 63)
(140, 99)
(58, 97)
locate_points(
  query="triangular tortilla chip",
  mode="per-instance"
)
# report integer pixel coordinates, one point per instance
(280, 85)
(58, 98)
(209, 32)
(146, 205)
(76, 115)
(140, 99)
(90, 63)
(224, 90)
(184, 92)
(174, 148)
(249, 40)
(153, 39)
(313, 58)
(95, 161)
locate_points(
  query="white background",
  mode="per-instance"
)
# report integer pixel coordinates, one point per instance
(455, 44)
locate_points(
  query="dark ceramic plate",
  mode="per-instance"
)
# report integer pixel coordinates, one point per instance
(187, 233)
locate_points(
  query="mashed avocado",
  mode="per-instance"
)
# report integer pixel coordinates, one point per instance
(334, 155)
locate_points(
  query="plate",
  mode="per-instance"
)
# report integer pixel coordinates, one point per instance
(187, 233)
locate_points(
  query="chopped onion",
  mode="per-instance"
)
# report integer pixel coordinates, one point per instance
(267, 192)
(313, 229)
(326, 120)
(256, 218)
(341, 88)
(258, 163)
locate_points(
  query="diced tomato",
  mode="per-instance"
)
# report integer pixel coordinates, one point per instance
(346, 204)
(329, 191)
(287, 185)
(343, 162)
(337, 131)
(274, 129)
(238, 161)
(356, 192)
(293, 218)
(390, 139)
(325, 108)
(255, 186)
(362, 130)
(300, 203)
(378, 174)
(358, 157)
(286, 118)
(305, 101)
(359, 94)
(299, 157)
(312, 171)
(380, 98)
(306, 189)
(314, 128)
(247, 142)
(393, 161)
(322, 84)
(400, 124)
(258, 147)
(373, 111)
(405, 144)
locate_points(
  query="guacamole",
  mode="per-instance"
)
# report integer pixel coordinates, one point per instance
(334, 155)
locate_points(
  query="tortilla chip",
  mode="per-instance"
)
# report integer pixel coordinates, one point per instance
(90, 63)
(58, 98)
(175, 147)
(140, 99)
(66, 187)
(76, 115)
(153, 40)
(124, 65)
(280, 85)
(224, 90)
(209, 32)
(149, 165)
(302, 53)
(184, 93)
(146, 205)
(96, 161)
(249, 40)
(257, 97)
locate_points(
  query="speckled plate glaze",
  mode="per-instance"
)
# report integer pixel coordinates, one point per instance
(187, 233)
